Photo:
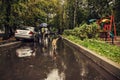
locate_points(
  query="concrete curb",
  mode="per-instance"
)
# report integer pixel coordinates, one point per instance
(10, 45)
(110, 66)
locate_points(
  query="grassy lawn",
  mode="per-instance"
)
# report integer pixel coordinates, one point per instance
(111, 52)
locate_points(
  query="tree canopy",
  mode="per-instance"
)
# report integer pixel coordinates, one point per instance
(61, 14)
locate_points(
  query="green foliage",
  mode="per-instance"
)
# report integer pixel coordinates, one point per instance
(117, 15)
(28, 12)
(104, 49)
(61, 14)
(84, 31)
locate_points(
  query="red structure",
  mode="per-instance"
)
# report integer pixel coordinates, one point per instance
(108, 27)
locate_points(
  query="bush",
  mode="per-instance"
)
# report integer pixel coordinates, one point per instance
(84, 31)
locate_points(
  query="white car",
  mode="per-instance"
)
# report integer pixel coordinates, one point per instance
(25, 33)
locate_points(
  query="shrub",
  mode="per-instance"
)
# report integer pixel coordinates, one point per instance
(84, 31)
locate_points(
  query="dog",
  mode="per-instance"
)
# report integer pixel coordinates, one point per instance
(54, 47)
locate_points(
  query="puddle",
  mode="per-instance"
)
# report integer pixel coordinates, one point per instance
(25, 52)
(55, 75)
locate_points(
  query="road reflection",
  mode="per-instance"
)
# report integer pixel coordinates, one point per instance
(25, 51)
(54, 75)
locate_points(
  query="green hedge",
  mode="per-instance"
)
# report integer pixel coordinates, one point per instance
(84, 31)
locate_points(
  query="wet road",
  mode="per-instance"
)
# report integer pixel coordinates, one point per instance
(31, 61)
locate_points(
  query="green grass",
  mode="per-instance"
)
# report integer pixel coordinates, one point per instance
(111, 52)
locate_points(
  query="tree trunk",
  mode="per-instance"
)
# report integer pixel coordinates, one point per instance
(75, 10)
(7, 5)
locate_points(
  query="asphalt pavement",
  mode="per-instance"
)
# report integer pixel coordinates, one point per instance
(33, 61)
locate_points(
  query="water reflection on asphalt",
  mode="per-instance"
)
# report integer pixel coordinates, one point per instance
(54, 75)
(25, 52)
(31, 61)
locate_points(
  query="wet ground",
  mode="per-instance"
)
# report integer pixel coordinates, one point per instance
(32, 61)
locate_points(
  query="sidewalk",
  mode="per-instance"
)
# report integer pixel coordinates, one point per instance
(116, 42)
(7, 41)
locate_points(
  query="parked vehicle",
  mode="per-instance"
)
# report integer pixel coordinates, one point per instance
(25, 32)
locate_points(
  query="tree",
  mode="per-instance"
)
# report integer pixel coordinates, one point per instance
(24, 12)
(7, 14)
(117, 15)
(76, 12)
